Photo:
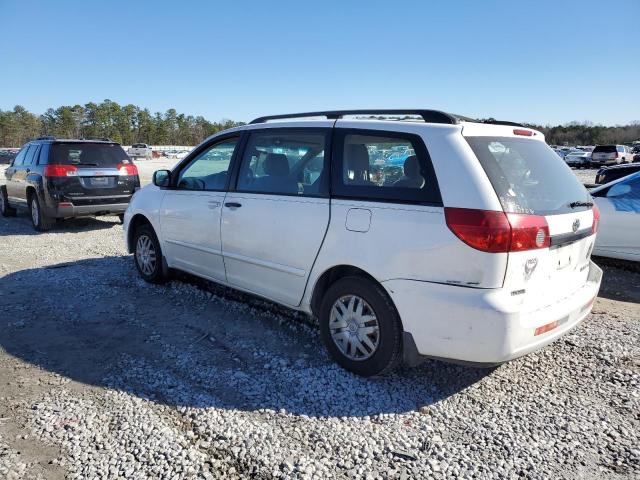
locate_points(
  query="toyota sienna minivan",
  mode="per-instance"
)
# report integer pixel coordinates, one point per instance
(476, 251)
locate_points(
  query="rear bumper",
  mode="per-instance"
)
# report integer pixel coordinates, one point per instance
(69, 210)
(481, 326)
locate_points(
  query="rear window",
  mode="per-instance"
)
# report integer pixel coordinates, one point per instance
(138, 145)
(88, 154)
(527, 175)
(605, 149)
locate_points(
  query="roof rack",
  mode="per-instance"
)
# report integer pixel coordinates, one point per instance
(429, 116)
(46, 137)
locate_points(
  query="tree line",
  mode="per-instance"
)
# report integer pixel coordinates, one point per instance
(129, 124)
(126, 124)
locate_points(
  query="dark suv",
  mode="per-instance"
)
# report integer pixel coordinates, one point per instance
(62, 178)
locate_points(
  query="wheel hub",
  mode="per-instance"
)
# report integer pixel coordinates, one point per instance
(354, 327)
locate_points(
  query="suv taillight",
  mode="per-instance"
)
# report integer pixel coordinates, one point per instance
(498, 232)
(60, 171)
(615, 155)
(596, 219)
(127, 169)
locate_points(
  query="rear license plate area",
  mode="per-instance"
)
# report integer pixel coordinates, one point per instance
(99, 181)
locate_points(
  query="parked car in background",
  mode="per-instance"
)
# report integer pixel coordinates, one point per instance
(62, 178)
(578, 159)
(140, 150)
(611, 155)
(614, 172)
(7, 155)
(478, 252)
(560, 153)
(619, 206)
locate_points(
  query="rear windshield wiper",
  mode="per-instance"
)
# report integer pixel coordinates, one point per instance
(581, 204)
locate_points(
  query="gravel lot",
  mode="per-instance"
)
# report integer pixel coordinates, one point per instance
(104, 376)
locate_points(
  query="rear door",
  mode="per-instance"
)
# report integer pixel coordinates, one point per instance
(274, 223)
(94, 172)
(530, 179)
(19, 174)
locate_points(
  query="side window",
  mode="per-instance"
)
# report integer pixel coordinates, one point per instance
(32, 156)
(209, 169)
(44, 154)
(385, 166)
(20, 157)
(625, 195)
(284, 162)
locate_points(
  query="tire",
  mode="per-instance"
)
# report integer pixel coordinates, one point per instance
(147, 255)
(41, 222)
(5, 209)
(387, 341)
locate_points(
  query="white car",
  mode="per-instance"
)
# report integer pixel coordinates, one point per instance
(140, 150)
(619, 204)
(578, 158)
(478, 251)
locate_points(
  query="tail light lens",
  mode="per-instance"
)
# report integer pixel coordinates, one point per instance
(60, 171)
(615, 155)
(128, 169)
(596, 219)
(497, 232)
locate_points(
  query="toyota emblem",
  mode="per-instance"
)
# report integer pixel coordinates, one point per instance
(576, 225)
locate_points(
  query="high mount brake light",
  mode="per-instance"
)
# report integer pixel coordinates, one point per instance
(524, 133)
(60, 171)
(497, 232)
(127, 169)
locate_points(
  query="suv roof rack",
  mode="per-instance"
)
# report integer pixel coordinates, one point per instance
(46, 137)
(429, 116)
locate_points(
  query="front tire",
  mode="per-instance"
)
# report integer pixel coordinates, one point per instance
(41, 222)
(147, 255)
(5, 209)
(360, 327)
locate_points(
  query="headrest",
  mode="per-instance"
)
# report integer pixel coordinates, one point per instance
(356, 157)
(412, 167)
(276, 164)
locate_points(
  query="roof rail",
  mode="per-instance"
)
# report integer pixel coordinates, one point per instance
(101, 139)
(429, 116)
(46, 137)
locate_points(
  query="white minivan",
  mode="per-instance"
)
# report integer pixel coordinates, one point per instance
(409, 234)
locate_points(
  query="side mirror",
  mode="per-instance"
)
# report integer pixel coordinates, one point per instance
(162, 178)
(618, 190)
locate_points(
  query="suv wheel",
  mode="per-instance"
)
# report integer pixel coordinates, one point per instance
(40, 220)
(148, 255)
(360, 327)
(5, 209)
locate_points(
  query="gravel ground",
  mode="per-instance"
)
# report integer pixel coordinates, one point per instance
(105, 376)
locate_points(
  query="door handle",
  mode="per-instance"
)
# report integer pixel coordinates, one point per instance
(233, 205)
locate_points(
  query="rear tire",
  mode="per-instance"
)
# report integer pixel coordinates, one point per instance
(41, 222)
(147, 255)
(5, 209)
(360, 327)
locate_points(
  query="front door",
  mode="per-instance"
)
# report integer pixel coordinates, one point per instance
(274, 223)
(191, 209)
(17, 174)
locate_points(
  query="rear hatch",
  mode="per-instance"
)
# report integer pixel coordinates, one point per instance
(89, 173)
(533, 183)
(604, 154)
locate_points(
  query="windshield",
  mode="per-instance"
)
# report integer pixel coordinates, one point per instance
(89, 154)
(528, 176)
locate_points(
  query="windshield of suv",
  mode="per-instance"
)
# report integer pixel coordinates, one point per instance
(528, 176)
(104, 155)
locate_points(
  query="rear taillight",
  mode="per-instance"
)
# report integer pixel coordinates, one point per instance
(60, 171)
(596, 219)
(497, 232)
(615, 155)
(128, 169)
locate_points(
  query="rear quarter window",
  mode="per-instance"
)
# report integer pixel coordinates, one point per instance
(527, 175)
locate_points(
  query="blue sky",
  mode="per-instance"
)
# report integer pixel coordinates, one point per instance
(540, 61)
